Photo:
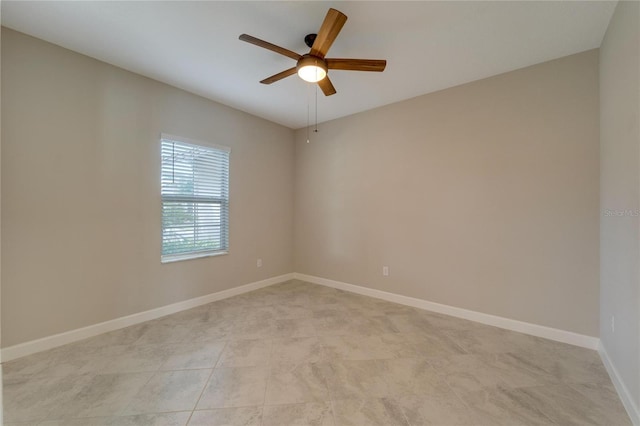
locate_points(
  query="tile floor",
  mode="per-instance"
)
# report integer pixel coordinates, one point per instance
(301, 354)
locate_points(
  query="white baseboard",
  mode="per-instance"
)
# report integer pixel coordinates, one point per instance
(496, 321)
(623, 392)
(50, 342)
(28, 348)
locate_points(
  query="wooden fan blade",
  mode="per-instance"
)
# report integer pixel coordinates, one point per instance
(279, 76)
(269, 46)
(326, 86)
(377, 65)
(333, 23)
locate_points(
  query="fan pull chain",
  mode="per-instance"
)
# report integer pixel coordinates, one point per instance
(316, 130)
(308, 107)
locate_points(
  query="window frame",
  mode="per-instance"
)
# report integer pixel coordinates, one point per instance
(224, 203)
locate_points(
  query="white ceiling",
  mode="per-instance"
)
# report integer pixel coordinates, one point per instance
(428, 45)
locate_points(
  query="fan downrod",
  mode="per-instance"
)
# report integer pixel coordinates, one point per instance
(309, 39)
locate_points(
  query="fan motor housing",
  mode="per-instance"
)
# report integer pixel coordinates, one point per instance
(308, 59)
(309, 39)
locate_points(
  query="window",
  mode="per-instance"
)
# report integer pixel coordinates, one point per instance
(195, 199)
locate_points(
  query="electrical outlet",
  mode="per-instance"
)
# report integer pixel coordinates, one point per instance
(613, 324)
(385, 271)
(259, 263)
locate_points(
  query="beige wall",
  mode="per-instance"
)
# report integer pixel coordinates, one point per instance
(620, 194)
(80, 192)
(484, 196)
(0, 209)
(1, 382)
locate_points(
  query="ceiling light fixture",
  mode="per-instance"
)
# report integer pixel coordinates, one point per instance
(311, 68)
(314, 66)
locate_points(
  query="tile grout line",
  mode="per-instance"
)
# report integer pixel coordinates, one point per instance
(206, 383)
(266, 383)
(153, 374)
(325, 360)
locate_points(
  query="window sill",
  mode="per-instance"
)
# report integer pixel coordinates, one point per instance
(189, 256)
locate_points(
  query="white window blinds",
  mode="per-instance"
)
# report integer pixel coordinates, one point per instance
(195, 199)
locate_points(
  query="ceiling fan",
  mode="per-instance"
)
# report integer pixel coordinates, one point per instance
(313, 66)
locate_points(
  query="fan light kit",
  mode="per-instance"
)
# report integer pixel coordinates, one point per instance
(311, 69)
(314, 67)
